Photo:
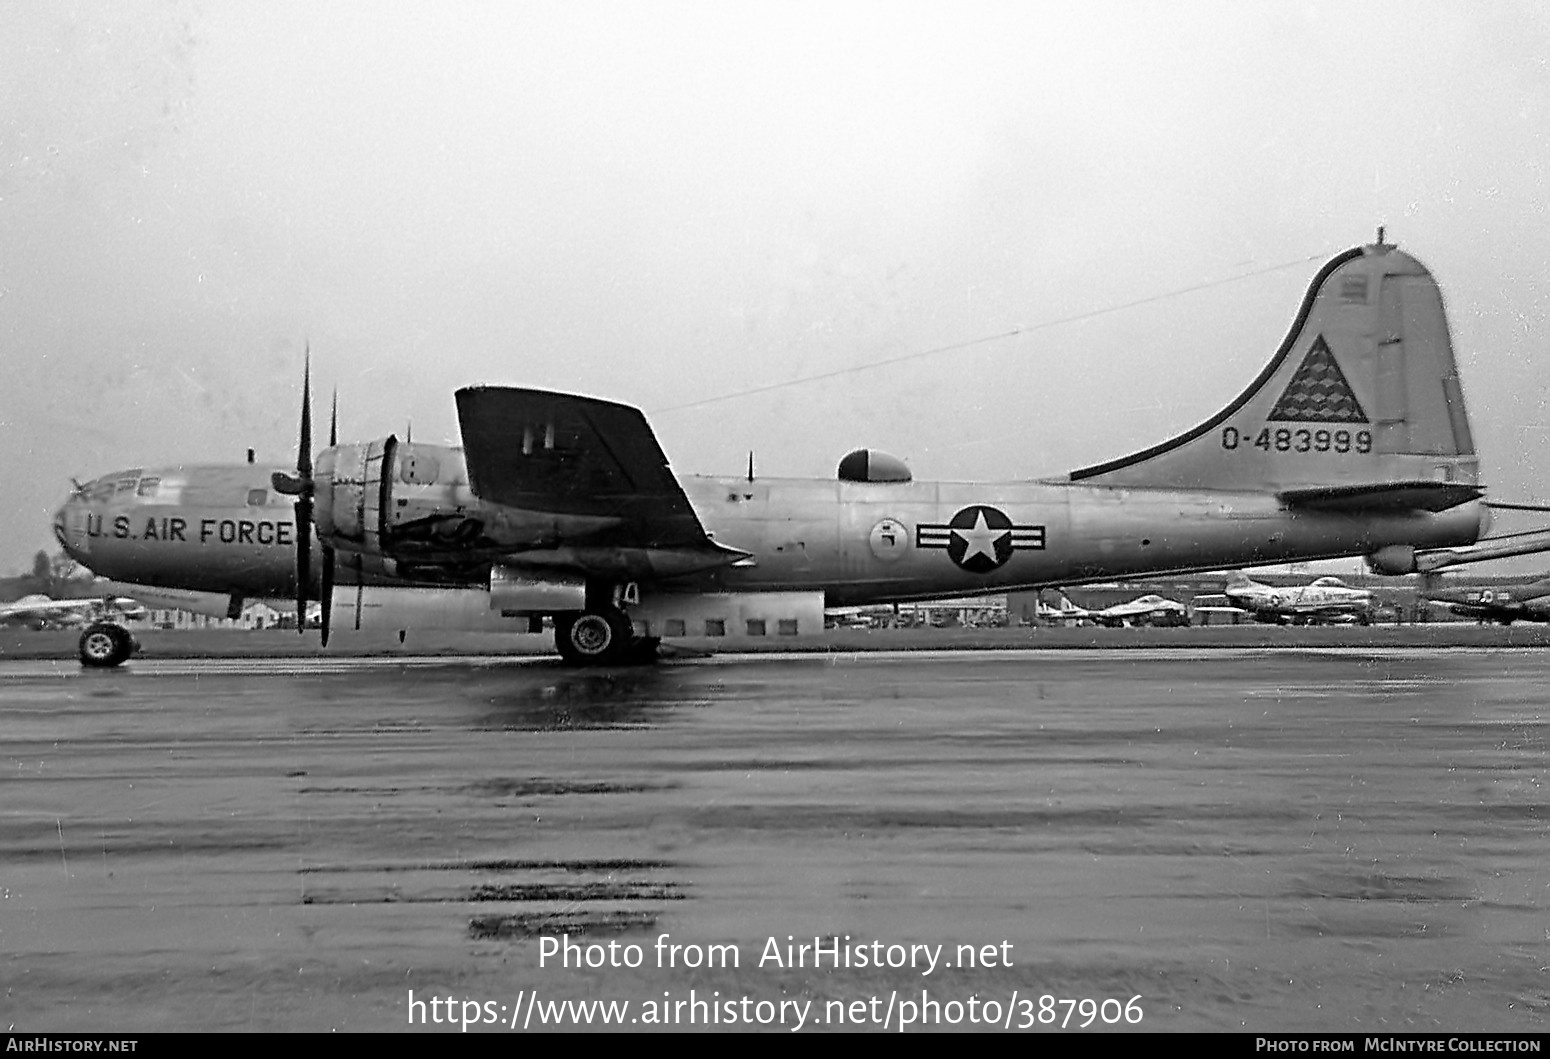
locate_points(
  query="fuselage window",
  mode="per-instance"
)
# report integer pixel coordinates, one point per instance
(675, 627)
(788, 626)
(755, 626)
(715, 627)
(257, 497)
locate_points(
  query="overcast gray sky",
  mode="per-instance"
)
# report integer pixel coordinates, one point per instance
(662, 203)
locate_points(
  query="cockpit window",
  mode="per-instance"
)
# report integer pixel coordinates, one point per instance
(257, 497)
(148, 486)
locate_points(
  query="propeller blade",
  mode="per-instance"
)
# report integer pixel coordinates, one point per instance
(304, 496)
(326, 590)
(303, 559)
(327, 596)
(304, 449)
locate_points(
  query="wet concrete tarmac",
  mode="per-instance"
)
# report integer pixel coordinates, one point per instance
(1266, 840)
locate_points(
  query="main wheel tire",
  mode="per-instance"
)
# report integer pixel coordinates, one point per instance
(593, 637)
(104, 645)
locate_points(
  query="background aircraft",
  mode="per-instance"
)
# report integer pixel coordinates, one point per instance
(1325, 600)
(1528, 601)
(1353, 440)
(1145, 610)
(40, 611)
(1063, 612)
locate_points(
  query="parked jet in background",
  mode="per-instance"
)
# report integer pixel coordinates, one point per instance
(1353, 441)
(40, 611)
(1147, 610)
(1528, 601)
(1066, 613)
(1326, 600)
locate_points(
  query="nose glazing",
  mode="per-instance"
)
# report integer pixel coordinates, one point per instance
(70, 526)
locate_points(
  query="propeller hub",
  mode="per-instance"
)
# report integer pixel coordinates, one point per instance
(291, 484)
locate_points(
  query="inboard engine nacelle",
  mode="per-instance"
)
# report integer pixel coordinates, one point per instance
(413, 502)
(387, 496)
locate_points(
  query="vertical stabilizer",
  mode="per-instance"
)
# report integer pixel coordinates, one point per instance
(1363, 393)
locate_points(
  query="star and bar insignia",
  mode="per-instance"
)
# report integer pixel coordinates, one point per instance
(979, 538)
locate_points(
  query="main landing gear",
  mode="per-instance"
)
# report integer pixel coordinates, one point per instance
(105, 645)
(601, 636)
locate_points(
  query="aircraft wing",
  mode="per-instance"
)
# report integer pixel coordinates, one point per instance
(53, 606)
(1333, 608)
(51, 610)
(1133, 609)
(556, 453)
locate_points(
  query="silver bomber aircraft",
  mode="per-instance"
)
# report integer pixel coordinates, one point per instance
(1353, 440)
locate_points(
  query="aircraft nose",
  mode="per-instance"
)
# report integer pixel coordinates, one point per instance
(70, 526)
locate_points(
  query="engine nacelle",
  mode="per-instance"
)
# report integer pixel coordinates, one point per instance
(412, 509)
(398, 499)
(1393, 560)
(412, 504)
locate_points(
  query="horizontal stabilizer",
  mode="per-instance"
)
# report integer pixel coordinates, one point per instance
(1382, 498)
(1503, 547)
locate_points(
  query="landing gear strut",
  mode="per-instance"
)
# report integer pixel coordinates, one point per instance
(104, 645)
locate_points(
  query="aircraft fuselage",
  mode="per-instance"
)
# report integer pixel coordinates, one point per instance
(223, 529)
(868, 542)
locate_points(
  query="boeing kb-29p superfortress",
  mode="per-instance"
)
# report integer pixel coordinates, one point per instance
(1352, 441)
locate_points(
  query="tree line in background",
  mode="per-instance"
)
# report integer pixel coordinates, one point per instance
(50, 575)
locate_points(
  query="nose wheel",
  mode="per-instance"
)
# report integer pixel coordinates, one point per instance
(104, 645)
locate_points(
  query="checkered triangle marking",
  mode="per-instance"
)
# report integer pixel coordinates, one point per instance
(1319, 392)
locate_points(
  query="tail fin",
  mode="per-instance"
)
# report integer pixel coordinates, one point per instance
(1071, 610)
(1063, 608)
(1362, 401)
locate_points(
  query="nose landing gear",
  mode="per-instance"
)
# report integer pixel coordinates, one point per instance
(104, 645)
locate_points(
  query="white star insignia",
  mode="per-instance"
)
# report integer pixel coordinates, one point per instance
(981, 540)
